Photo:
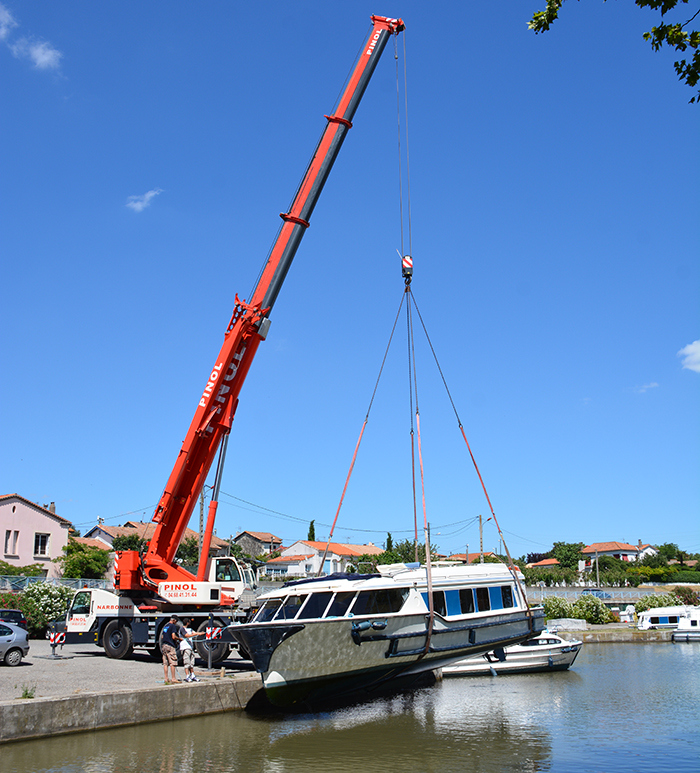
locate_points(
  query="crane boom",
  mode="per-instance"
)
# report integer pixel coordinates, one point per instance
(248, 327)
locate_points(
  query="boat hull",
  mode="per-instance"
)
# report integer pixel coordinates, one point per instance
(326, 659)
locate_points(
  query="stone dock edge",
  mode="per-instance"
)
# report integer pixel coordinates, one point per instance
(28, 719)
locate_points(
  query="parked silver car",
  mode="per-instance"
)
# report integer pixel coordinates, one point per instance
(14, 644)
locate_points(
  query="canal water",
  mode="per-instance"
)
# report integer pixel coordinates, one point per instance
(622, 707)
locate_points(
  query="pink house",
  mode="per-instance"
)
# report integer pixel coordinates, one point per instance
(31, 534)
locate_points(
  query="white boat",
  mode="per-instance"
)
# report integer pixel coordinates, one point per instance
(545, 652)
(688, 627)
(326, 638)
(663, 617)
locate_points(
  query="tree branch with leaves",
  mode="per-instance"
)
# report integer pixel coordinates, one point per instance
(675, 35)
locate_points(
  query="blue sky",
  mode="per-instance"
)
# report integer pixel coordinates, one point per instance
(148, 149)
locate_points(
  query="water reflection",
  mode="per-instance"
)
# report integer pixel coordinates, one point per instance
(623, 708)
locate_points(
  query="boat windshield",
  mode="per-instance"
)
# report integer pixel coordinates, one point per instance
(315, 606)
(290, 608)
(340, 604)
(267, 610)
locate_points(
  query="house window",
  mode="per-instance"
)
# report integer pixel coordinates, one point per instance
(11, 539)
(41, 544)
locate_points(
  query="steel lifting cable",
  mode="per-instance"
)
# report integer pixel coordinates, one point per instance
(413, 389)
(511, 565)
(359, 439)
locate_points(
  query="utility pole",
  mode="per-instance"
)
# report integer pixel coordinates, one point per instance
(481, 540)
(597, 573)
(467, 556)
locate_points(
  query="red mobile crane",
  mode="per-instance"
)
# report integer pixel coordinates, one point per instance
(155, 572)
(152, 586)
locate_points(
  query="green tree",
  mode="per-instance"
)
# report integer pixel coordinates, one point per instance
(129, 542)
(655, 561)
(81, 561)
(188, 552)
(568, 553)
(389, 542)
(674, 35)
(311, 537)
(402, 552)
(668, 551)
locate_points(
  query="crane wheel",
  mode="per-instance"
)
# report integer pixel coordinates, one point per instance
(118, 640)
(220, 650)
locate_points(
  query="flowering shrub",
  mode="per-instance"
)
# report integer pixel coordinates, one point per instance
(592, 610)
(44, 602)
(555, 607)
(654, 600)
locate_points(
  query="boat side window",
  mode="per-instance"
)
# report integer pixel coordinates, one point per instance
(507, 596)
(672, 619)
(655, 620)
(380, 602)
(267, 610)
(439, 602)
(340, 604)
(466, 600)
(290, 608)
(482, 599)
(315, 605)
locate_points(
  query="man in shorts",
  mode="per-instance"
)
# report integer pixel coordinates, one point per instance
(168, 646)
(186, 633)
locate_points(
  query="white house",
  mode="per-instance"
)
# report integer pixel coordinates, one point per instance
(621, 550)
(32, 533)
(303, 558)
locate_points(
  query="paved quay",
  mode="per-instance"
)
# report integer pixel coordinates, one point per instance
(84, 690)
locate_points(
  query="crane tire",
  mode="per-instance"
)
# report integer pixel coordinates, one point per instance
(118, 640)
(220, 649)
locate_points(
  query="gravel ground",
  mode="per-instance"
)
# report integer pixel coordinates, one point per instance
(85, 668)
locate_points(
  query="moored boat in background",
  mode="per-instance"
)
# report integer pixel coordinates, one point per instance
(663, 617)
(545, 652)
(688, 627)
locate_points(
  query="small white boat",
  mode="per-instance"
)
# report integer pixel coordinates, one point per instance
(688, 627)
(663, 617)
(326, 638)
(546, 652)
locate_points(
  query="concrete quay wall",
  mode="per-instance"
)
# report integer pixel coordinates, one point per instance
(23, 720)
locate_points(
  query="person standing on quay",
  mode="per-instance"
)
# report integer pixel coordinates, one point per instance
(168, 647)
(185, 634)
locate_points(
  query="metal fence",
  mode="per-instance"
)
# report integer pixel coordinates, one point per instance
(16, 584)
(609, 595)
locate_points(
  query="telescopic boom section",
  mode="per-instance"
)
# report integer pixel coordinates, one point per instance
(248, 327)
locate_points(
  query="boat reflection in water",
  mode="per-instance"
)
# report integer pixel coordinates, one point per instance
(327, 638)
(546, 652)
